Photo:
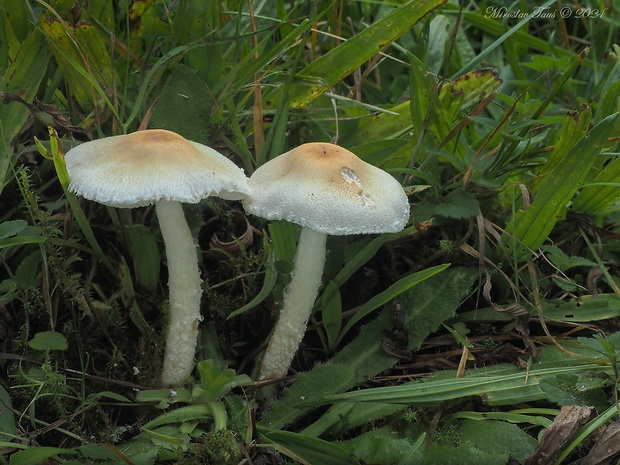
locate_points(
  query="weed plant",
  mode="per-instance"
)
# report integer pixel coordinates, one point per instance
(484, 330)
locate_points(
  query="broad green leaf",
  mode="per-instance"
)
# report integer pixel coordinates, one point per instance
(7, 417)
(562, 261)
(48, 340)
(331, 313)
(427, 110)
(382, 126)
(468, 89)
(344, 416)
(145, 254)
(570, 389)
(602, 192)
(38, 455)
(11, 228)
(438, 40)
(389, 294)
(215, 381)
(583, 309)
(575, 125)
(95, 451)
(489, 442)
(341, 61)
(386, 154)
(382, 445)
(21, 239)
(284, 237)
(464, 442)
(27, 273)
(164, 397)
(529, 229)
(109, 395)
(458, 204)
(180, 415)
(307, 450)
(424, 310)
(510, 417)
(184, 105)
(422, 94)
(200, 20)
(17, 25)
(322, 380)
(501, 384)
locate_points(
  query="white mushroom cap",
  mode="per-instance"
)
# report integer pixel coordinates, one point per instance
(328, 189)
(143, 167)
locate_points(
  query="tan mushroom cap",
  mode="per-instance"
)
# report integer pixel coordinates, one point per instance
(328, 189)
(143, 167)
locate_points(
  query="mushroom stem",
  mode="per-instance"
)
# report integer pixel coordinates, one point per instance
(184, 289)
(299, 297)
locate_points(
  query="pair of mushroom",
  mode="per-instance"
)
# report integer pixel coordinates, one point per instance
(322, 187)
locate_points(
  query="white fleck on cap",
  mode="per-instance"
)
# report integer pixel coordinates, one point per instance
(143, 167)
(328, 189)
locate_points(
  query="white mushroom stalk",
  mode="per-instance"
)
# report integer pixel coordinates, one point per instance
(327, 190)
(161, 167)
(185, 290)
(299, 297)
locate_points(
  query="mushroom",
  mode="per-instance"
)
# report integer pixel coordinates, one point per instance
(327, 190)
(161, 167)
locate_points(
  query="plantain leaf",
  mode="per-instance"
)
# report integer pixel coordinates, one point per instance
(502, 384)
(307, 450)
(602, 192)
(38, 455)
(583, 309)
(529, 229)
(391, 293)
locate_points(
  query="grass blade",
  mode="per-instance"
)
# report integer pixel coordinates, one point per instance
(529, 229)
(335, 65)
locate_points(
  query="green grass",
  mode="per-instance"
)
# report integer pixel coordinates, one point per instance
(457, 340)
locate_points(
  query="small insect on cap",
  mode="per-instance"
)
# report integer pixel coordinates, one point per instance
(328, 189)
(143, 167)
